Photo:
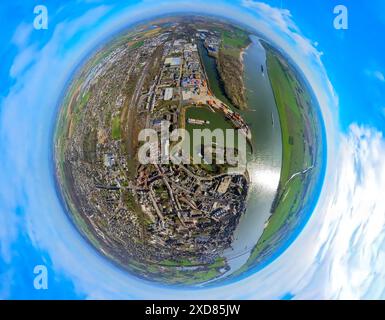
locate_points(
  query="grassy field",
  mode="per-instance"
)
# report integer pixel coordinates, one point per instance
(116, 131)
(233, 42)
(300, 130)
(189, 277)
(137, 44)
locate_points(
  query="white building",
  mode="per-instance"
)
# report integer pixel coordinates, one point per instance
(168, 93)
(173, 61)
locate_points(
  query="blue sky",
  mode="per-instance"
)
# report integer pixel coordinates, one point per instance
(342, 248)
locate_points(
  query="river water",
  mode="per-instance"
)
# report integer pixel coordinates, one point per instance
(264, 164)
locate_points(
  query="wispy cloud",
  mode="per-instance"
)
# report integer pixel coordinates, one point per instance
(375, 74)
(280, 17)
(379, 75)
(355, 252)
(22, 34)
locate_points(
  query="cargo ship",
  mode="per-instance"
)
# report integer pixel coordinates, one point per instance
(197, 121)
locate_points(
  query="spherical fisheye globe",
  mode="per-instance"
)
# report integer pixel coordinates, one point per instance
(189, 149)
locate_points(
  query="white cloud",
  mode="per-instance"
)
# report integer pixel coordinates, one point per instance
(356, 250)
(280, 17)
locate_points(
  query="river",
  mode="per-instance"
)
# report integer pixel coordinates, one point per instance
(264, 164)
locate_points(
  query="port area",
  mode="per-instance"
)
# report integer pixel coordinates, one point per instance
(193, 206)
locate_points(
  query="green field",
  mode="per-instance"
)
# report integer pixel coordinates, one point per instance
(137, 44)
(237, 38)
(116, 130)
(190, 277)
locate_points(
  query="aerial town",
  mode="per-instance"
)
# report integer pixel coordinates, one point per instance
(161, 214)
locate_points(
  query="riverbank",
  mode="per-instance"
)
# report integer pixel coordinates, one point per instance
(264, 162)
(301, 132)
